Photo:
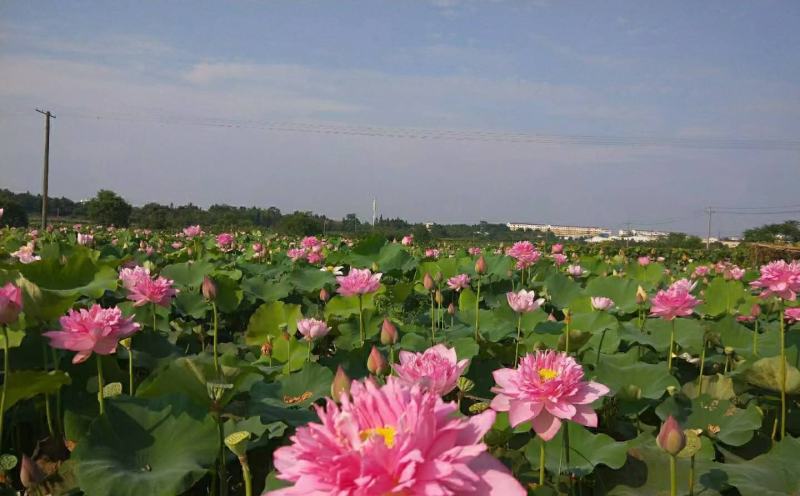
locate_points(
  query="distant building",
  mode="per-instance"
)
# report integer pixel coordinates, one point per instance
(572, 232)
(625, 233)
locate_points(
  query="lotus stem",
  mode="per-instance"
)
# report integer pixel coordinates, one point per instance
(362, 333)
(308, 359)
(519, 338)
(702, 366)
(755, 337)
(599, 348)
(541, 463)
(131, 390)
(100, 385)
(248, 479)
(673, 477)
(691, 477)
(6, 376)
(671, 345)
(783, 372)
(477, 312)
(433, 320)
(216, 336)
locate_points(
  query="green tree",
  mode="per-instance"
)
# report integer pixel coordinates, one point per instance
(14, 215)
(299, 224)
(785, 231)
(108, 208)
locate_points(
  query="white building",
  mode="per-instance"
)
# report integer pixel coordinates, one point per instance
(572, 232)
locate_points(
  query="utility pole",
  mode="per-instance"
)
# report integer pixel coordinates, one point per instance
(46, 171)
(374, 211)
(708, 235)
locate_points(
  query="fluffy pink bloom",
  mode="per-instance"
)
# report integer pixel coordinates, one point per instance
(437, 369)
(310, 242)
(524, 253)
(85, 239)
(225, 241)
(176, 245)
(684, 285)
(392, 440)
(25, 254)
(312, 329)
(459, 282)
(792, 314)
(432, 253)
(474, 251)
(676, 301)
(407, 240)
(358, 281)
(734, 273)
(192, 231)
(779, 279)
(701, 271)
(10, 303)
(559, 259)
(645, 260)
(575, 270)
(523, 301)
(546, 388)
(556, 248)
(315, 257)
(296, 254)
(602, 303)
(95, 330)
(142, 289)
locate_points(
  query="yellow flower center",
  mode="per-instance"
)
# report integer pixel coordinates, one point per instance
(387, 433)
(547, 374)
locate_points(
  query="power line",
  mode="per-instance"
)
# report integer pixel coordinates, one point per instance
(729, 143)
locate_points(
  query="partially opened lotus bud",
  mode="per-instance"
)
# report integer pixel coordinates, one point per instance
(671, 438)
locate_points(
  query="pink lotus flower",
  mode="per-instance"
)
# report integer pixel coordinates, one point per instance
(176, 245)
(643, 261)
(432, 253)
(734, 273)
(25, 254)
(701, 271)
(192, 231)
(296, 254)
(459, 282)
(315, 257)
(85, 239)
(792, 314)
(10, 303)
(524, 253)
(225, 241)
(310, 242)
(95, 330)
(437, 369)
(358, 282)
(392, 440)
(684, 285)
(546, 388)
(602, 303)
(556, 248)
(523, 301)
(407, 240)
(474, 251)
(312, 329)
(142, 289)
(575, 270)
(559, 259)
(676, 301)
(779, 279)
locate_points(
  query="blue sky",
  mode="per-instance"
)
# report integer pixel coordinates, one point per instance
(133, 84)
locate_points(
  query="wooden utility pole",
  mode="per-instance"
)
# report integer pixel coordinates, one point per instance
(46, 171)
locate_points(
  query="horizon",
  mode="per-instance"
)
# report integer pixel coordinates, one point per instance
(445, 110)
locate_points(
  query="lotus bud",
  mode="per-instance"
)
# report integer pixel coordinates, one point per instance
(641, 295)
(755, 310)
(284, 332)
(451, 309)
(439, 298)
(29, 473)
(438, 277)
(10, 303)
(480, 265)
(671, 438)
(376, 363)
(427, 282)
(375, 267)
(209, 289)
(324, 295)
(266, 348)
(340, 384)
(388, 333)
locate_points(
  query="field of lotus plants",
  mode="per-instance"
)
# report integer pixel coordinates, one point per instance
(152, 363)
